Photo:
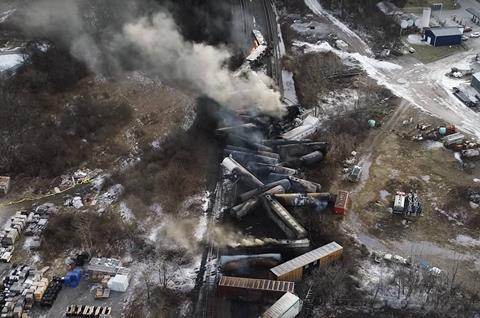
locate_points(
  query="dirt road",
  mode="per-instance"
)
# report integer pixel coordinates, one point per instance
(347, 35)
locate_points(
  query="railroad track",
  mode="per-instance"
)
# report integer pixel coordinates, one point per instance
(272, 35)
(224, 194)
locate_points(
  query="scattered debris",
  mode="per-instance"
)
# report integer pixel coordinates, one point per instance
(4, 184)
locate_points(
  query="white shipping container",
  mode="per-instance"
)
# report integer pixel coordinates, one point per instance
(118, 283)
(453, 139)
(399, 203)
(288, 306)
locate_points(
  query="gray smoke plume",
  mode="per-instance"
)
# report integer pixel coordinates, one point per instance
(201, 66)
(225, 236)
(155, 45)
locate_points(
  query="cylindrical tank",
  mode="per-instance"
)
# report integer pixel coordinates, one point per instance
(247, 195)
(312, 158)
(426, 17)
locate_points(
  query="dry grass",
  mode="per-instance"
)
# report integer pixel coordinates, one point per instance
(311, 72)
(105, 234)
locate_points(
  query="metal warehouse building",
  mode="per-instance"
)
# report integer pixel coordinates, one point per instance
(294, 269)
(443, 36)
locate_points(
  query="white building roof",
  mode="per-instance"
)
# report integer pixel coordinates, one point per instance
(446, 31)
(477, 76)
(306, 258)
(281, 306)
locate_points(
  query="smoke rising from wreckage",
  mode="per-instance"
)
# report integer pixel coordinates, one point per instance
(251, 200)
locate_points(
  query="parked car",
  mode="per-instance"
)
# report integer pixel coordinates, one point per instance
(464, 38)
(467, 29)
(355, 174)
(475, 35)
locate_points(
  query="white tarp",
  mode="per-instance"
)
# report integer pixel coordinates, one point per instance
(118, 283)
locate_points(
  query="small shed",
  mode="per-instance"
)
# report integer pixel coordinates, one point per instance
(288, 306)
(476, 81)
(294, 269)
(443, 36)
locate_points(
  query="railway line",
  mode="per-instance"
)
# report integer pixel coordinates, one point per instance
(261, 15)
(273, 39)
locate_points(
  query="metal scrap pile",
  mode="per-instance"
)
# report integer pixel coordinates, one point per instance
(23, 286)
(263, 157)
(31, 223)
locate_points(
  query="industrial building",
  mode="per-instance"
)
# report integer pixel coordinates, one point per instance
(294, 269)
(443, 36)
(289, 305)
(251, 289)
(476, 81)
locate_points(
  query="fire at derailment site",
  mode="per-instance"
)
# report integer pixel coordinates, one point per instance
(241, 158)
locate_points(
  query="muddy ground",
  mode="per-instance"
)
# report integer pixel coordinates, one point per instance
(439, 235)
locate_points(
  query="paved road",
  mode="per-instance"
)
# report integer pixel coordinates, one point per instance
(427, 87)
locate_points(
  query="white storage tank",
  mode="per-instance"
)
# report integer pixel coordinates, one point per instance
(427, 12)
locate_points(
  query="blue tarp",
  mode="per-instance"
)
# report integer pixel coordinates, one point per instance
(72, 278)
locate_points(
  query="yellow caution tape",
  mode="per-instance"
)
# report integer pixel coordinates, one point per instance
(27, 199)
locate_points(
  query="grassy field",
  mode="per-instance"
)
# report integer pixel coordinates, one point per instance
(447, 4)
(427, 53)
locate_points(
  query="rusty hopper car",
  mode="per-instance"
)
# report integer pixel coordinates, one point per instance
(294, 269)
(253, 289)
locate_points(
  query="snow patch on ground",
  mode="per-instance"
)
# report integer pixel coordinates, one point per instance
(339, 101)
(6, 14)
(126, 212)
(466, 240)
(9, 61)
(384, 194)
(425, 178)
(374, 68)
(433, 144)
(316, 8)
(416, 39)
(312, 27)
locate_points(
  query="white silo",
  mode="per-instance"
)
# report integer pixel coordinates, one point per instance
(427, 12)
